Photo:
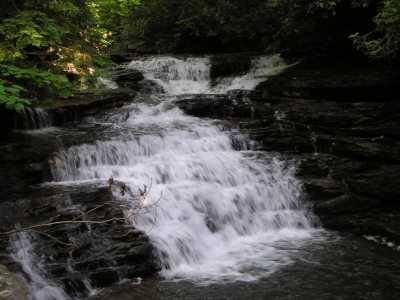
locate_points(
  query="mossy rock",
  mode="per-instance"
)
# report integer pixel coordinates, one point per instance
(11, 287)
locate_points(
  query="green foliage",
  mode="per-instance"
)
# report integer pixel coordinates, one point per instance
(37, 79)
(199, 25)
(10, 96)
(108, 18)
(384, 41)
(26, 30)
(305, 27)
(226, 25)
(42, 39)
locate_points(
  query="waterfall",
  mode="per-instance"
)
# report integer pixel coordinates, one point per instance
(217, 209)
(32, 119)
(40, 288)
(261, 68)
(220, 210)
(192, 75)
(176, 76)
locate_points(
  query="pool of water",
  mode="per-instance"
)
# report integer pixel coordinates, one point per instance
(339, 267)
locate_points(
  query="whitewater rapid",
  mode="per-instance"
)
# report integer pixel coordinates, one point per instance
(217, 208)
(192, 75)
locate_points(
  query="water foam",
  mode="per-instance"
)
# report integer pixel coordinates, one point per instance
(222, 212)
(40, 287)
(107, 83)
(192, 75)
(217, 209)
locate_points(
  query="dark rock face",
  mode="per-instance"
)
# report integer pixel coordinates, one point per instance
(341, 125)
(59, 112)
(134, 79)
(235, 104)
(120, 57)
(224, 65)
(341, 83)
(88, 104)
(127, 77)
(96, 244)
(75, 108)
(103, 251)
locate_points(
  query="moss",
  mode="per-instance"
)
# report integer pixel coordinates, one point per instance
(11, 287)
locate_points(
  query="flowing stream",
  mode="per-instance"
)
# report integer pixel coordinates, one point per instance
(221, 211)
(193, 75)
(227, 221)
(40, 287)
(218, 210)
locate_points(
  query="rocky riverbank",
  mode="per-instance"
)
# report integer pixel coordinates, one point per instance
(90, 243)
(84, 235)
(57, 112)
(342, 126)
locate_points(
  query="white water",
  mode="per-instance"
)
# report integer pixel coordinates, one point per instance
(107, 83)
(192, 75)
(221, 213)
(40, 288)
(35, 119)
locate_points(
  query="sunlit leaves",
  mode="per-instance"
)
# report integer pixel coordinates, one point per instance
(109, 17)
(42, 39)
(10, 96)
(36, 78)
(27, 29)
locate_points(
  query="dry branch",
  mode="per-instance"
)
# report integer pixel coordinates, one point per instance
(123, 191)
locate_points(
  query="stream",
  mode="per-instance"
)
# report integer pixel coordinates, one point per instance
(227, 221)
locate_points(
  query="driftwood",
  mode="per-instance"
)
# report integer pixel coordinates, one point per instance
(118, 190)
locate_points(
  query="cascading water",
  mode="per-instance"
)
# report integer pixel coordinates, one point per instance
(107, 83)
(32, 119)
(215, 211)
(192, 75)
(40, 288)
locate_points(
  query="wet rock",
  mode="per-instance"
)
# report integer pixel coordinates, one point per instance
(341, 124)
(344, 204)
(104, 278)
(225, 65)
(127, 77)
(350, 168)
(67, 110)
(120, 57)
(336, 82)
(383, 223)
(148, 87)
(232, 105)
(323, 188)
(11, 286)
(204, 105)
(83, 105)
(22, 164)
(103, 249)
(134, 80)
(381, 183)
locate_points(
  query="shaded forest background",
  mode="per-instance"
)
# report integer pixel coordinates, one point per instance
(53, 48)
